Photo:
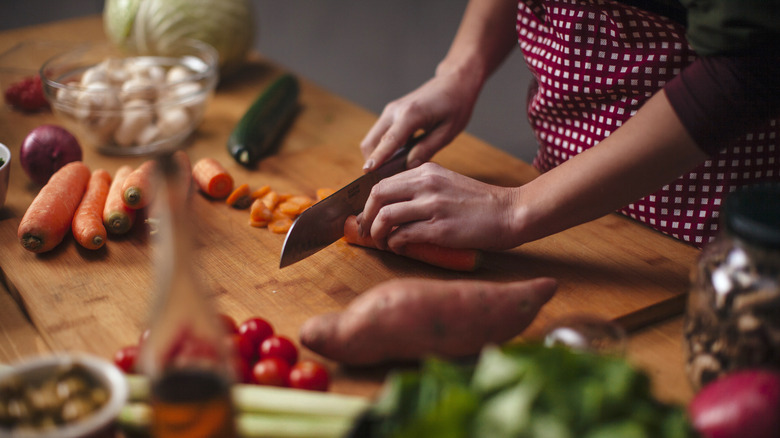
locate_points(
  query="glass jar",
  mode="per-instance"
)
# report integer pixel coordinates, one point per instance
(733, 315)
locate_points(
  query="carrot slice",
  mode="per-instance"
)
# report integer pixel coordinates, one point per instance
(323, 193)
(456, 259)
(240, 197)
(280, 226)
(212, 179)
(295, 205)
(50, 215)
(117, 216)
(271, 200)
(87, 226)
(260, 192)
(259, 214)
(138, 188)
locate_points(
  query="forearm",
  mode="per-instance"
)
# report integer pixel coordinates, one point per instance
(484, 38)
(650, 150)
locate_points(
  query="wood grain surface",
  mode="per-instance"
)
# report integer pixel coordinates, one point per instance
(98, 301)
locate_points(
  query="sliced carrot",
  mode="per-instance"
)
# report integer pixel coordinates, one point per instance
(50, 215)
(240, 197)
(295, 205)
(212, 179)
(323, 193)
(117, 216)
(456, 259)
(259, 214)
(271, 200)
(138, 188)
(280, 226)
(87, 226)
(260, 192)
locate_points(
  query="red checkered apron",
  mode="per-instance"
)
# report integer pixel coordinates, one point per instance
(595, 62)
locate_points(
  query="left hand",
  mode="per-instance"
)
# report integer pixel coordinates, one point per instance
(436, 205)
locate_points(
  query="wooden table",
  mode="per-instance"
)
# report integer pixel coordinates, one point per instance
(75, 300)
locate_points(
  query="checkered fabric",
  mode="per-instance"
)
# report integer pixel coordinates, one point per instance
(595, 63)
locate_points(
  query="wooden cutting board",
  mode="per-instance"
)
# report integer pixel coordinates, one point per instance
(96, 302)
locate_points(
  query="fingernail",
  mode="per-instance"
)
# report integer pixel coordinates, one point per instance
(368, 165)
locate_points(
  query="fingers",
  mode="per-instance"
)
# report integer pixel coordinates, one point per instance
(390, 140)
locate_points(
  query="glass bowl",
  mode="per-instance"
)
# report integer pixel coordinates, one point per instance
(65, 384)
(131, 105)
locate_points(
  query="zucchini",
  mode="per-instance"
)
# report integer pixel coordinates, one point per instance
(257, 133)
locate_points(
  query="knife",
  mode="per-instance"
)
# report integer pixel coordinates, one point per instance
(323, 223)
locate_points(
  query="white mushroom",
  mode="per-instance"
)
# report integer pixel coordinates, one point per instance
(139, 87)
(173, 121)
(136, 116)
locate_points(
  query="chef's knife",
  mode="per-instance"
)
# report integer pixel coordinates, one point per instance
(323, 223)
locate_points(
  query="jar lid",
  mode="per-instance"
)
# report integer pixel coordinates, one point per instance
(753, 214)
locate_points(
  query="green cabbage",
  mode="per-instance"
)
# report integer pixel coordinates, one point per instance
(157, 26)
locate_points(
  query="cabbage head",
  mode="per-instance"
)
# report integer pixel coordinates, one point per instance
(155, 27)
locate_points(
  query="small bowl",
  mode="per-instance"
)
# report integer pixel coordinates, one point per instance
(5, 172)
(131, 105)
(98, 372)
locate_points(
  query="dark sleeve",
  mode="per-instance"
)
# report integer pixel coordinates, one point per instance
(719, 98)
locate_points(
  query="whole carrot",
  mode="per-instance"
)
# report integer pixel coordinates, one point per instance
(138, 188)
(49, 216)
(456, 259)
(87, 227)
(212, 179)
(117, 216)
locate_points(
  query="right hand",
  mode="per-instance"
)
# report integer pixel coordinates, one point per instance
(441, 107)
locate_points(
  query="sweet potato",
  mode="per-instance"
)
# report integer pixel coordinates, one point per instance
(407, 319)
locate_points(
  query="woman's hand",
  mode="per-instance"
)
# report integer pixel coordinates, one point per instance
(436, 205)
(442, 107)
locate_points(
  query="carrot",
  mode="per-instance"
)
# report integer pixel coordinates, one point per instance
(323, 193)
(138, 188)
(87, 226)
(295, 205)
(281, 225)
(456, 259)
(411, 318)
(117, 216)
(259, 215)
(240, 197)
(260, 192)
(212, 179)
(49, 216)
(271, 200)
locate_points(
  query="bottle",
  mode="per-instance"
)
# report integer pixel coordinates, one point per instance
(185, 355)
(732, 318)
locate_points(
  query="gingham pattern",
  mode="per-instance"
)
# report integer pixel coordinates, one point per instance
(595, 63)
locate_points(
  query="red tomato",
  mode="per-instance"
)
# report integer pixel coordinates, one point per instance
(125, 358)
(311, 375)
(272, 371)
(228, 323)
(253, 332)
(279, 346)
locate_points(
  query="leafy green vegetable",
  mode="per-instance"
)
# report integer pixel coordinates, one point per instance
(526, 391)
(2, 161)
(157, 27)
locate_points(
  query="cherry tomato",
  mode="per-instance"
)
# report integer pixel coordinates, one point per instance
(281, 347)
(125, 358)
(253, 332)
(228, 323)
(311, 375)
(272, 371)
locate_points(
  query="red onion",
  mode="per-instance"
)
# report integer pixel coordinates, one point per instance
(45, 150)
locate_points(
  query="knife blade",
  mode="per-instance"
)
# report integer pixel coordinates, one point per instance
(323, 223)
